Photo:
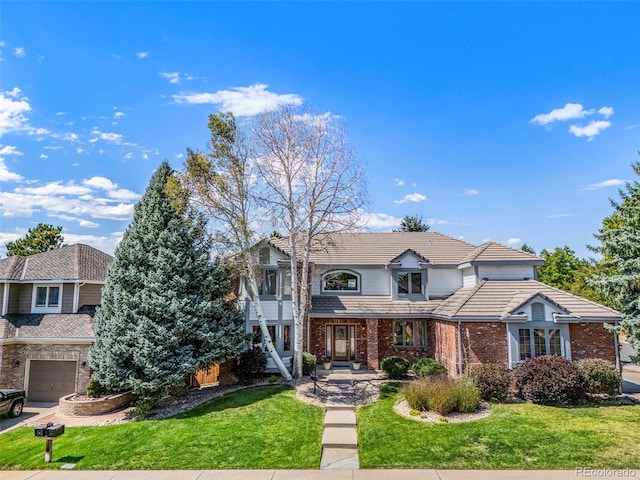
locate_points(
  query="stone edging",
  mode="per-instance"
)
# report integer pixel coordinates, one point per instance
(98, 406)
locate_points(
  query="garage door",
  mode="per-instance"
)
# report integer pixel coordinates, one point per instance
(49, 380)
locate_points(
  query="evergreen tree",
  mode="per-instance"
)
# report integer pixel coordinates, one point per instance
(41, 238)
(163, 312)
(528, 249)
(412, 223)
(620, 249)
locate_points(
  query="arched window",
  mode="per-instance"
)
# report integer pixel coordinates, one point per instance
(340, 282)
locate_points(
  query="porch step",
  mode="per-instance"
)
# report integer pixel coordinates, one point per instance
(339, 437)
(341, 417)
(339, 381)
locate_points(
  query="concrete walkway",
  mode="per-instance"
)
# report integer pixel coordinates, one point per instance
(340, 437)
(318, 474)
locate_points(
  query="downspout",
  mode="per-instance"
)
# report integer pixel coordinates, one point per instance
(616, 346)
(5, 298)
(459, 348)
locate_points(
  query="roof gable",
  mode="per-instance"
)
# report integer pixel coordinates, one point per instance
(497, 253)
(70, 262)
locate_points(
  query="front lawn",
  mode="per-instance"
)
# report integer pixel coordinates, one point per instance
(514, 436)
(263, 427)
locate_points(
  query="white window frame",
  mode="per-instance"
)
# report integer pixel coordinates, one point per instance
(46, 308)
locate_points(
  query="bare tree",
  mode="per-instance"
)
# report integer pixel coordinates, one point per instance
(312, 187)
(221, 183)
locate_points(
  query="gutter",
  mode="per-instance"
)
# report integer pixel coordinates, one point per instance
(616, 346)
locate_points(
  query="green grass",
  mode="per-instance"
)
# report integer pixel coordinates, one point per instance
(262, 427)
(514, 436)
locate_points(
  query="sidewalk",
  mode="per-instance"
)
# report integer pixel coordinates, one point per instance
(318, 474)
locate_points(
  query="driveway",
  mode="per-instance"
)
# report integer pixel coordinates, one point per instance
(631, 379)
(32, 411)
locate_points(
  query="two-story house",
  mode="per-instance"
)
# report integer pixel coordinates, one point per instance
(46, 322)
(374, 295)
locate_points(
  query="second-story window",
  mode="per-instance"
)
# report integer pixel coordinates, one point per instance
(409, 283)
(269, 285)
(340, 282)
(47, 297)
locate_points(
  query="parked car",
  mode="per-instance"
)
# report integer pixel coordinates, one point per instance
(12, 402)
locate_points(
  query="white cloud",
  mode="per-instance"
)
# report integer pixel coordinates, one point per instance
(380, 221)
(13, 108)
(399, 182)
(470, 192)
(118, 115)
(54, 188)
(142, 54)
(129, 156)
(5, 174)
(513, 241)
(179, 155)
(242, 101)
(173, 77)
(9, 150)
(569, 111)
(70, 201)
(88, 224)
(104, 243)
(19, 52)
(111, 189)
(606, 112)
(412, 197)
(613, 182)
(591, 130)
(44, 155)
(106, 136)
(562, 215)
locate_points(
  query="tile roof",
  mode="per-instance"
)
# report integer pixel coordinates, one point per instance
(382, 248)
(499, 298)
(78, 326)
(368, 306)
(71, 262)
(491, 252)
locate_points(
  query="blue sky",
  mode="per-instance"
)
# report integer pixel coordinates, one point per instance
(514, 122)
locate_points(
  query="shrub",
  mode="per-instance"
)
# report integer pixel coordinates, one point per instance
(426, 367)
(441, 394)
(600, 376)
(549, 380)
(144, 407)
(395, 367)
(94, 389)
(250, 364)
(308, 363)
(492, 379)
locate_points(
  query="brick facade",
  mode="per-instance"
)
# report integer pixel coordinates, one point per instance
(591, 340)
(484, 342)
(446, 345)
(386, 347)
(12, 376)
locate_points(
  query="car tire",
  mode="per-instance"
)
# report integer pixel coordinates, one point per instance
(16, 409)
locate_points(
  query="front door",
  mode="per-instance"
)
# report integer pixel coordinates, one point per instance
(341, 342)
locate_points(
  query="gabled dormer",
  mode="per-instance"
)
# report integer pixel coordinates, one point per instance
(495, 261)
(409, 277)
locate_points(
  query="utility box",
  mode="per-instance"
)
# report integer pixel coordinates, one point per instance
(55, 430)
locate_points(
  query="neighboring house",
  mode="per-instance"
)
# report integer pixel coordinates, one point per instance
(46, 321)
(374, 295)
